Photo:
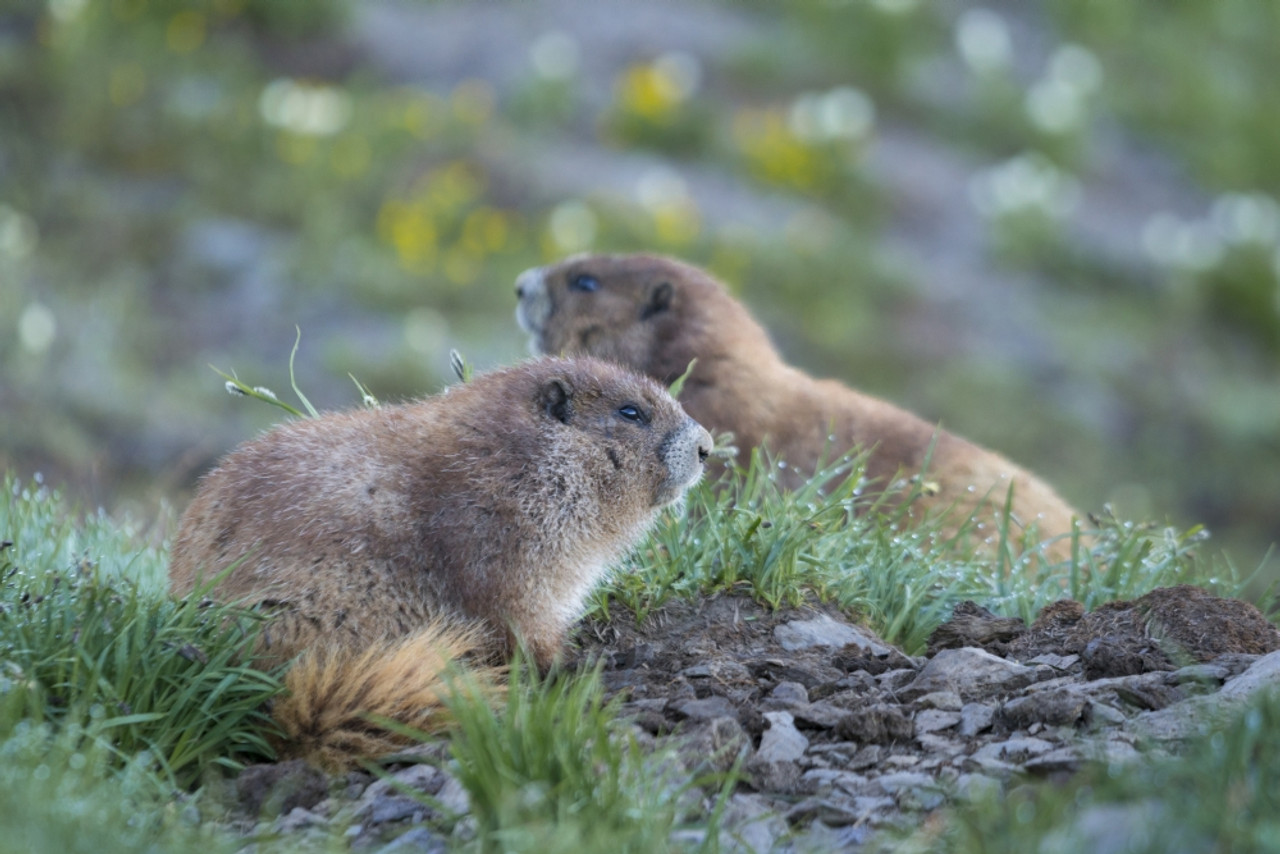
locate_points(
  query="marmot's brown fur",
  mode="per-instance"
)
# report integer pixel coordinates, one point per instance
(656, 315)
(385, 542)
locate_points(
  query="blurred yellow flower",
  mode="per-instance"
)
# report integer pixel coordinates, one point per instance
(411, 231)
(650, 90)
(772, 151)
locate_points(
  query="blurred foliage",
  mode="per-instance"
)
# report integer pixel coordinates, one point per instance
(183, 183)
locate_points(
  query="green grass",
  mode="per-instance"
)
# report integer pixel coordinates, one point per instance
(830, 540)
(553, 771)
(67, 793)
(84, 645)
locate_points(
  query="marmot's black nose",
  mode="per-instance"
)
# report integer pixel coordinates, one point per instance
(704, 448)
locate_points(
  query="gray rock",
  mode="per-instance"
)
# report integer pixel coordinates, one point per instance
(418, 840)
(934, 720)
(867, 756)
(819, 838)
(972, 673)
(751, 825)
(1054, 661)
(912, 790)
(839, 753)
(1102, 714)
(820, 780)
(453, 796)
(705, 709)
(833, 811)
(892, 784)
(972, 786)
(788, 694)
(895, 680)
(948, 701)
(1063, 759)
(974, 718)
(781, 741)
(1061, 707)
(713, 746)
(822, 715)
(824, 631)
(1263, 673)
(298, 819)
(384, 809)
(882, 723)
(1015, 750)
(774, 777)
(867, 806)
(940, 747)
(1115, 750)
(1207, 674)
(899, 761)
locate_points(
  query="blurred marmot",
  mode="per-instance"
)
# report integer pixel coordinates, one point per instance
(656, 314)
(384, 542)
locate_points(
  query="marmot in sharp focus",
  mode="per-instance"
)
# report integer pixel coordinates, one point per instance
(656, 314)
(384, 541)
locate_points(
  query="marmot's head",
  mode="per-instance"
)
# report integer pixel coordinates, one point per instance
(623, 426)
(647, 312)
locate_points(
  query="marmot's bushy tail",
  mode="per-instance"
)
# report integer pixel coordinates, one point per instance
(334, 695)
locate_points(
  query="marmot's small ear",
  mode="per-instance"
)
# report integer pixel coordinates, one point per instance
(659, 300)
(557, 400)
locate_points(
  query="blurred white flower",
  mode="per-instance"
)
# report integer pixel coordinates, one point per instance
(37, 327)
(1173, 242)
(19, 235)
(895, 7)
(1246, 218)
(555, 55)
(66, 10)
(1076, 67)
(842, 114)
(1026, 182)
(303, 108)
(1056, 104)
(982, 38)
(1053, 107)
(660, 188)
(573, 226)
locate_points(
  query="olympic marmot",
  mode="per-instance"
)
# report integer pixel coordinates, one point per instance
(384, 542)
(656, 314)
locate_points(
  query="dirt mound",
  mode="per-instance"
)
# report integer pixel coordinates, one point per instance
(1167, 628)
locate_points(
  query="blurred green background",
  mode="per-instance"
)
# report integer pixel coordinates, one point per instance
(1050, 225)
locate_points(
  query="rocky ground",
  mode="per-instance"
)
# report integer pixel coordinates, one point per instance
(838, 734)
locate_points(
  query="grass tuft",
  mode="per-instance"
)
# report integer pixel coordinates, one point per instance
(897, 573)
(553, 771)
(85, 647)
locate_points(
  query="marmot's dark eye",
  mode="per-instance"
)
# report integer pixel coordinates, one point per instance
(585, 283)
(632, 413)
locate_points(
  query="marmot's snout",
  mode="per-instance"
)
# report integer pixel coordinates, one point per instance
(685, 452)
(533, 306)
(704, 445)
